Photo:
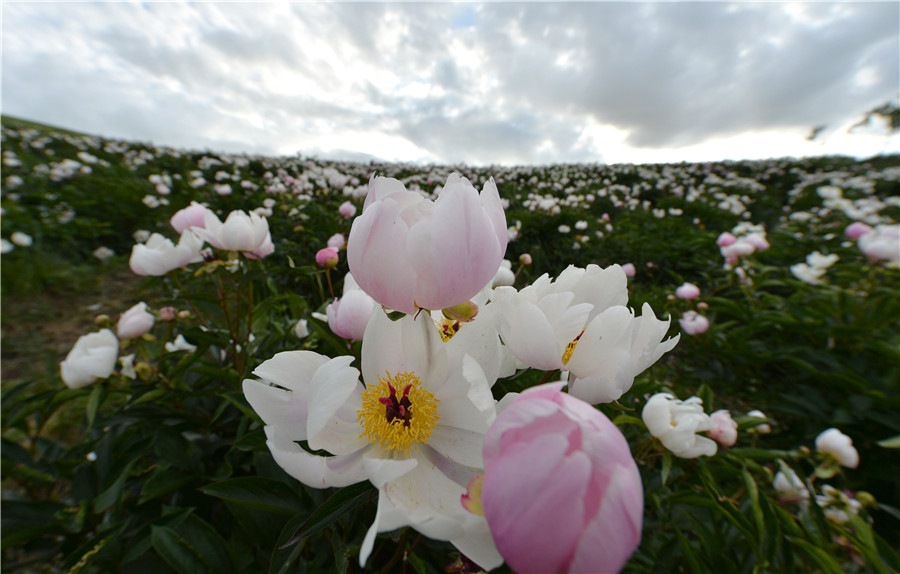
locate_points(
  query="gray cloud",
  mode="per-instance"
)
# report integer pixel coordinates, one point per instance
(480, 83)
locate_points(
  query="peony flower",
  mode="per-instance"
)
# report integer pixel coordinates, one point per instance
(410, 253)
(612, 350)
(93, 357)
(761, 428)
(159, 255)
(336, 241)
(21, 239)
(790, 486)
(6, 246)
(135, 322)
(687, 291)
(327, 257)
(241, 231)
(807, 273)
(349, 314)
(103, 253)
(301, 329)
(725, 239)
(180, 344)
(838, 445)
(347, 210)
(819, 261)
(414, 430)
(693, 323)
(836, 505)
(191, 216)
(725, 429)
(856, 230)
(505, 276)
(882, 244)
(676, 424)
(629, 270)
(561, 491)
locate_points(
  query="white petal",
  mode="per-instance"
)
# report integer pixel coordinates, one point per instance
(335, 399)
(382, 470)
(313, 470)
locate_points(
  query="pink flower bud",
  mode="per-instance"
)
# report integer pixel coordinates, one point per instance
(687, 291)
(693, 323)
(724, 429)
(525, 259)
(703, 305)
(856, 230)
(725, 239)
(347, 210)
(167, 313)
(561, 491)
(629, 270)
(327, 257)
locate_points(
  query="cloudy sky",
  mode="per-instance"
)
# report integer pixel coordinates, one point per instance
(481, 83)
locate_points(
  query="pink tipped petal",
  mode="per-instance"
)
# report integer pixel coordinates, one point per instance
(537, 536)
(376, 254)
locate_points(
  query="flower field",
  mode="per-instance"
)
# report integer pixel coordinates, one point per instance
(232, 363)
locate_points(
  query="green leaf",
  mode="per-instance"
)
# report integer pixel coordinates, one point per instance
(94, 401)
(666, 466)
(341, 502)
(819, 556)
(148, 397)
(627, 419)
(258, 493)
(176, 551)
(893, 442)
(688, 552)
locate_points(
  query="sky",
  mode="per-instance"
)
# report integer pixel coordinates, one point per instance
(478, 83)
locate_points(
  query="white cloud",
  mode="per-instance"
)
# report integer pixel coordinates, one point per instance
(480, 83)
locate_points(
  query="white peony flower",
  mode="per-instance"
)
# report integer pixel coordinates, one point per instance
(676, 424)
(180, 344)
(839, 445)
(414, 430)
(159, 255)
(93, 357)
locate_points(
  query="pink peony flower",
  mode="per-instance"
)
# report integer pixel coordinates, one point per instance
(687, 291)
(349, 314)
(757, 240)
(337, 241)
(856, 230)
(347, 210)
(882, 243)
(135, 322)
(410, 253)
(561, 491)
(327, 257)
(725, 239)
(190, 216)
(725, 428)
(693, 323)
(241, 231)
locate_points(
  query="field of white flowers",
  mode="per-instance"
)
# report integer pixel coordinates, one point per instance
(566, 368)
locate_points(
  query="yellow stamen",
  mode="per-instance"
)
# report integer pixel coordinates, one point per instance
(570, 348)
(397, 413)
(447, 328)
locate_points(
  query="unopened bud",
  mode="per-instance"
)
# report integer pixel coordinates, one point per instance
(168, 313)
(327, 258)
(525, 259)
(464, 312)
(103, 320)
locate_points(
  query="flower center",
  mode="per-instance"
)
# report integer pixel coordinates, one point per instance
(447, 328)
(397, 413)
(570, 348)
